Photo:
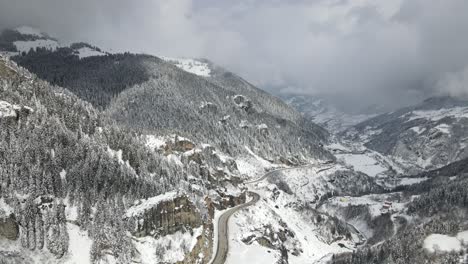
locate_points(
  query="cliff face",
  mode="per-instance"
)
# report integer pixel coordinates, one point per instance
(9, 228)
(166, 217)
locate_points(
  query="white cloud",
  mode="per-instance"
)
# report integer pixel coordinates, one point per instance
(377, 51)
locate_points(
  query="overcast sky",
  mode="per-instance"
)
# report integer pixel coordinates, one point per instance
(388, 52)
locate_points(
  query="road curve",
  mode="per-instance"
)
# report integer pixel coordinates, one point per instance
(223, 229)
(223, 221)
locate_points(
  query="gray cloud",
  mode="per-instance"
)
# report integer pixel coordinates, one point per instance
(386, 52)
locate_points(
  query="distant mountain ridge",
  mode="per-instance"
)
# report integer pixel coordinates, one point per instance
(429, 135)
(320, 111)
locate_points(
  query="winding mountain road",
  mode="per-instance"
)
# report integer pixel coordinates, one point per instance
(223, 221)
(223, 229)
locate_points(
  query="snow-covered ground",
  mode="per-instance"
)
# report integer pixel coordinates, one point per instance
(411, 181)
(271, 215)
(253, 166)
(155, 142)
(276, 212)
(79, 247)
(88, 52)
(242, 253)
(7, 109)
(166, 249)
(191, 65)
(363, 163)
(445, 243)
(142, 205)
(5, 209)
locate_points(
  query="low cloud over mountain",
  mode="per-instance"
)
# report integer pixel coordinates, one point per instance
(376, 52)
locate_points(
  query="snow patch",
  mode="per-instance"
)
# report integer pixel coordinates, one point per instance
(463, 237)
(116, 154)
(444, 128)
(63, 174)
(5, 209)
(79, 247)
(154, 142)
(363, 163)
(172, 248)
(418, 130)
(438, 242)
(150, 203)
(7, 109)
(190, 65)
(88, 52)
(411, 181)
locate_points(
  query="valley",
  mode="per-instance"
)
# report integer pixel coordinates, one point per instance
(133, 158)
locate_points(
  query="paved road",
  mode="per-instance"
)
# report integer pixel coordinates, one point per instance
(223, 221)
(223, 229)
(271, 173)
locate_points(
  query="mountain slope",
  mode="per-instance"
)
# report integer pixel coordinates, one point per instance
(426, 136)
(57, 165)
(432, 228)
(238, 114)
(322, 112)
(154, 96)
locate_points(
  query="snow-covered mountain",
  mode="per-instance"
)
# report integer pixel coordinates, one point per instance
(426, 136)
(23, 39)
(197, 67)
(325, 113)
(130, 133)
(131, 158)
(192, 98)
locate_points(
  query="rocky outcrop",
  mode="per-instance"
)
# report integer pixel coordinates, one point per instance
(226, 200)
(11, 115)
(208, 108)
(164, 217)
(9, 228)
(243, 103)
(179, 144)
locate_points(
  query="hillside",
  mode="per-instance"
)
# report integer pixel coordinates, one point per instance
(153, 96)
(426, 136)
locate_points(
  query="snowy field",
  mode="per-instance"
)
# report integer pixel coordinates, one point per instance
(445, 243)
(190, 65)
(363, 163)
(167, 249)
(87, 52)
